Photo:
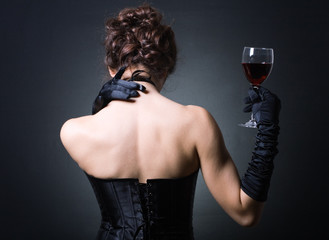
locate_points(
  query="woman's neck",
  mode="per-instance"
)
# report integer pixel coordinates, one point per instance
(142, 77)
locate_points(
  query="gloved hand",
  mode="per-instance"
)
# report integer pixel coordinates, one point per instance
(116, 89)
(264, 105)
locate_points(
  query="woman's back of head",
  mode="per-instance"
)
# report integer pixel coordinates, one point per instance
(137, 37)
(147, 137)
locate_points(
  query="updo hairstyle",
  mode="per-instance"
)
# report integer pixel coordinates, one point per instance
(136, 36)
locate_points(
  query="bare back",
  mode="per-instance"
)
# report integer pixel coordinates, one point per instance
(145, 139)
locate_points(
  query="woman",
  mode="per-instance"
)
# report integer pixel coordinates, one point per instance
(142, 155)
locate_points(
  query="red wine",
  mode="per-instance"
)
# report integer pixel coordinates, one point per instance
(256, 73)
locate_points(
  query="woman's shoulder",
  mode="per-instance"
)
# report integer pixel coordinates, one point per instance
(192, 110)
(197, 110)
(203, 121)
(199, 113)
(74, 126)
(73, 132)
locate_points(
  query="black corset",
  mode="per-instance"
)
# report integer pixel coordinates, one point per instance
(159, 209)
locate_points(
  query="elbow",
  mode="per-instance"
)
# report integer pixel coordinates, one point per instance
(250, 213)
(249, 220)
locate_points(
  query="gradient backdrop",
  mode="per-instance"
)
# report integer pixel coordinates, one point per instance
(52, 68)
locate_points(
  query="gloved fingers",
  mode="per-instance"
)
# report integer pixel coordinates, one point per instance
(256, 107)
(268, 96)
(134, 93)
(124, 95)
(264, 93)
(141, 87)
(119, 74)
(98, 104)
(106, 85)
(96, 109)
(263, 90)
(252, 100)
(131, 85)
(254, 95)
(247, 108)
(119, 95)
(99, 101)
(116, 84)
(247, 100)
(107, 90)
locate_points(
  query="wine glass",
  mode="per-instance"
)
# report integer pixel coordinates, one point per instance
(257, 64)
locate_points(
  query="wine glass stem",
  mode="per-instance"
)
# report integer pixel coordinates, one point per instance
(252, 115)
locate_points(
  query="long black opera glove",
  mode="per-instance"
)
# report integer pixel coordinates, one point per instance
(116, 89)
(265, 107)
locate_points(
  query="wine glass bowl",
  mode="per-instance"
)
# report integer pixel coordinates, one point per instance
(257, 65)
(256, 73)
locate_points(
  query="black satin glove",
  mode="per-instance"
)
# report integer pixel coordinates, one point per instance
(116, 89)
(265, 107)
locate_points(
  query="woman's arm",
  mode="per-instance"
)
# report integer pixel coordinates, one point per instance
(242, 200)
(220, 173)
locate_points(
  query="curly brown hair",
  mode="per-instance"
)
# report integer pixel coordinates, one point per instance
(137, 36)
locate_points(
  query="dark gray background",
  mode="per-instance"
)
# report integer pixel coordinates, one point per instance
(51, 70)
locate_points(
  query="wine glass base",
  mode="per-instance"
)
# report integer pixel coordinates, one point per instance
(249, 124)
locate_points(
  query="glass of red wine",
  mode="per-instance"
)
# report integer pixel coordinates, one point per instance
(257, 64)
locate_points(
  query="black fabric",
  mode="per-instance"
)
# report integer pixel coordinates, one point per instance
(116, 89)
(265, 107)
(161, 209)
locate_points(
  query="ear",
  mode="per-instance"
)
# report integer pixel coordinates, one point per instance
(112, 71)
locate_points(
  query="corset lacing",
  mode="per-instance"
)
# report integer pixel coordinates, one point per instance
(149, 219)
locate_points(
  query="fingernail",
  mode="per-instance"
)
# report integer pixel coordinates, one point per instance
(142, 88)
